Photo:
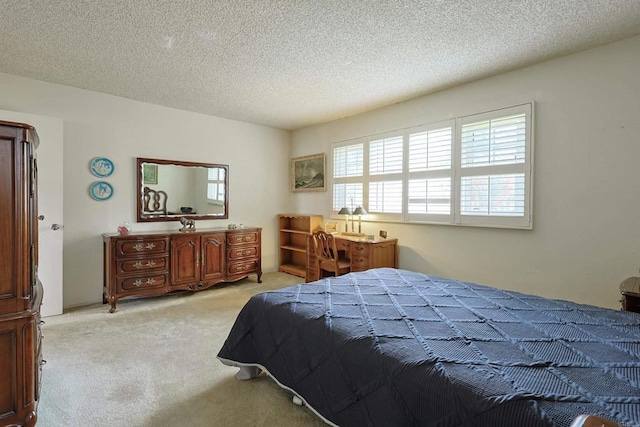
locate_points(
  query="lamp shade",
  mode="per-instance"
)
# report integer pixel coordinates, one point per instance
(345, 211)
(359, 211)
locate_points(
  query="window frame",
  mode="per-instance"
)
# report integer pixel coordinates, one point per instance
(455, 173)
(526, 167)
(428, 174)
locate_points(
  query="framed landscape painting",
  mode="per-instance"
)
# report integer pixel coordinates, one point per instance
(307, 173)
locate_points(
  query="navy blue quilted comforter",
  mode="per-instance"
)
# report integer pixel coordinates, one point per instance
(391, 347)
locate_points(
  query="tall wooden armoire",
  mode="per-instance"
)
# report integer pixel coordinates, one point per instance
(20, 290)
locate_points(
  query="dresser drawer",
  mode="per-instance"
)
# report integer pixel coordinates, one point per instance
(137, 247)
(242, 238)
(343, 245)
(360, 249)
(149, 281)
(359, 263)
(143, 264)
(239, 253)
(242, 267)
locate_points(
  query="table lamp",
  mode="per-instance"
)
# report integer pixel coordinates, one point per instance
(359, 211)
(346, 212)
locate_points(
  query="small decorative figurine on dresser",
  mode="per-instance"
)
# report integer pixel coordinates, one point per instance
(124, 228)
(187, 224)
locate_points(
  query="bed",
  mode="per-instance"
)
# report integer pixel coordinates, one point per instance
(389, 347)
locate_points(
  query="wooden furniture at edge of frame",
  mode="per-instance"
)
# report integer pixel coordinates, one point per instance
(20, 289)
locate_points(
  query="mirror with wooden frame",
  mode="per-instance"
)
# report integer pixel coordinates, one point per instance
(168, 190)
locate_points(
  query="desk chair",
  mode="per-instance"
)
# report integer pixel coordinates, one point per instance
(327, 254)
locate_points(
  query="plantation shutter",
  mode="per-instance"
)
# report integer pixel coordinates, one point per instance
(429, 173)
(348, 169)
(495, 168)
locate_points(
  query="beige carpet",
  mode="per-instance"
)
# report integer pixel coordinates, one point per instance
(153, 363)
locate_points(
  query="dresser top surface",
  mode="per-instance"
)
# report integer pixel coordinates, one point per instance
(178, 232)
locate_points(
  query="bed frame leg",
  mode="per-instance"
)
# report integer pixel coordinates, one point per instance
(297, 401)
(248, 372)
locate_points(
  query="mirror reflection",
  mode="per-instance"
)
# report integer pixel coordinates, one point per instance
(170, 189)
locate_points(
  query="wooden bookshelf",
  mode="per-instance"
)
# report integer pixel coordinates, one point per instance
(293, 230)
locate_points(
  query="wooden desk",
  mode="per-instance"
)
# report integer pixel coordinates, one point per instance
(363, 254)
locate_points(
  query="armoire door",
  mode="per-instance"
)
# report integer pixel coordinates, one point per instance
(50, 206)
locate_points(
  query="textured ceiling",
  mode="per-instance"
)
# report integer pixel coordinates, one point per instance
(293, 63)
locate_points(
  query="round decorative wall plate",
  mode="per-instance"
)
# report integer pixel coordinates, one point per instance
(101, 190)
(101, 167)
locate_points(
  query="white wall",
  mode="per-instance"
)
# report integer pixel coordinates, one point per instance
(121, 130)
(586, 236)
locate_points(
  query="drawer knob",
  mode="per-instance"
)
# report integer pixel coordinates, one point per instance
(149, 281)
(139, 246)
(139, 264)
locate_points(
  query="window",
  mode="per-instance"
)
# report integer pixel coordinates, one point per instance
(348, 176)
(473, 170)
(215, 185)
(495, 168)
(429, 155)
(385, 174)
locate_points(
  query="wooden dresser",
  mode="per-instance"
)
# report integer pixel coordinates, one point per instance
(153, 263)
(20, 290)
(363, 254)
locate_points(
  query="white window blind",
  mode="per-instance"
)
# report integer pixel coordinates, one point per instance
(495, 168)
(349, 195)
(348, 160)
(494, 142)
(430, 150)
(385, 175)
(385, 197)
(430, 196)
(348, 177)
(493, 195)
(429, 173)
(385, 156)
(474, 170)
